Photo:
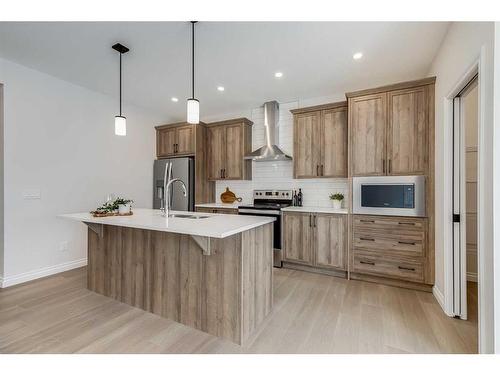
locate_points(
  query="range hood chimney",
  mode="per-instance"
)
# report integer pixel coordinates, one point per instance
(270, 152)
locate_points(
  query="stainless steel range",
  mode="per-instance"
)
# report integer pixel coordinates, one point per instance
(270, 203)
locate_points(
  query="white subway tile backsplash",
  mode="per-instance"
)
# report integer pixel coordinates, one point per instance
(279, 175)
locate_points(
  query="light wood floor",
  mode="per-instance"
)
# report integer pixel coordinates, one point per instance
(312, 314)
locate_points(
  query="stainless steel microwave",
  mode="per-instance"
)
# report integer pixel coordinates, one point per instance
(389, 195)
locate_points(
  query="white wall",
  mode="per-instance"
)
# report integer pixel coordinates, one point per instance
(1, 183)
(496, 187)
(279, 175)
(59, 138)
(461, 48)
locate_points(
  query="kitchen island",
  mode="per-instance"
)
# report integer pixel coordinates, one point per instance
(208, 271)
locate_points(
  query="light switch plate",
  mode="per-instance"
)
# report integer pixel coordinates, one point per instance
(32, 194)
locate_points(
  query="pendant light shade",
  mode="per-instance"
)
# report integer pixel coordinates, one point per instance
(120, 121)
(193, 104)
(120, 125)
(193, 111)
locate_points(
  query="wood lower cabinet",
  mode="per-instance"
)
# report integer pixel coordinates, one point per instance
(297, 236)
(228, 142)
(391, 247)
(320, 141)
(330, 240)
(175, 140)
(316, 240)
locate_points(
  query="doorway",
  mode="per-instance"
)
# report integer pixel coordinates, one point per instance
(465, 202)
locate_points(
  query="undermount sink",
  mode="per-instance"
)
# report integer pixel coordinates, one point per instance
(185, 216)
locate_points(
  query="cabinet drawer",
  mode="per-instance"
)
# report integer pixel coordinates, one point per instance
(392, 268)
(390, 223)
(408, 245)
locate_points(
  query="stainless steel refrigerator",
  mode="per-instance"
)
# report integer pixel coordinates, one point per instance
(182, 168)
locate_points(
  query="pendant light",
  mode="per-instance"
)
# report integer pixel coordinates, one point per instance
(193, 105)
(120, 121)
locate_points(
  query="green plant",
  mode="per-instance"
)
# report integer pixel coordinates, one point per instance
(337, 197)
(118, 201)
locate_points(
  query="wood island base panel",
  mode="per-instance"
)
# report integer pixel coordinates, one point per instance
(227, 293)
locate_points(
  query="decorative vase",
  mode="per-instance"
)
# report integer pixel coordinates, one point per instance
(337, 204)
(124, 209)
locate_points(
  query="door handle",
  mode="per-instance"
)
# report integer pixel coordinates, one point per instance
(390, 165)
(367, 221)
(406, 243)
(403, 223)
(317, 169)
(310, 220)
(406, 268)
(366, 239)
(383, 165)
(322, 170)
(220, 173)
(370, 263)
(224, 173)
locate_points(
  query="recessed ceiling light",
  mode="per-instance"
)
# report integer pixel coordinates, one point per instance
(174, 99)
(220, 88)
(278, 74)
(357, 55)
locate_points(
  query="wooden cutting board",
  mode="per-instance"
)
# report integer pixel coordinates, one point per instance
(229, 197)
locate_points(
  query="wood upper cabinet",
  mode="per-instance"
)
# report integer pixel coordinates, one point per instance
(389, 129)
(407, 137)
(320, 141)
(306, 152)
(175, 140)
(228, 142)
(297, 237)
(165, 142)
(330, 241)
(318, 240)
(216, 152)
(185, 139)
(233, 142)
(333, 142)
(367, 126)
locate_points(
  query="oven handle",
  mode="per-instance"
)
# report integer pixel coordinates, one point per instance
(259, 212)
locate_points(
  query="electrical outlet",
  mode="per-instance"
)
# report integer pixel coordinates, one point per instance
(63, 246)
(32, 194)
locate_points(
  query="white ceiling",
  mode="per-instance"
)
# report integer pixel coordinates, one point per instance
(315, 58)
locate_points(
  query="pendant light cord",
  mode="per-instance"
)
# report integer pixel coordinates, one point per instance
(120, 84)
(192, 55)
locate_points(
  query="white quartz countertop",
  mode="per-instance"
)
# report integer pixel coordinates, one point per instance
(322, 210)
(215, 225)
(233, 206)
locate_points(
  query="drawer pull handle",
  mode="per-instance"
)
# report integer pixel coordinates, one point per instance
(367, 221)
(406, 268)
(403, 223)
(370, 263)
(407, 243)
(366, 239)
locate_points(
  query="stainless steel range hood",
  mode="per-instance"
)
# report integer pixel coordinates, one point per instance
(270, 152)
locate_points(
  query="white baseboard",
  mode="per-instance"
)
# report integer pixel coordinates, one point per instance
(472, 276)
(7, 281)
(439, 296)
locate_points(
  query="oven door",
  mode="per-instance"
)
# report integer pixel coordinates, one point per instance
(389, 195)
(276, 229)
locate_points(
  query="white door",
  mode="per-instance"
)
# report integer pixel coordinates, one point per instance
(459, 204)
